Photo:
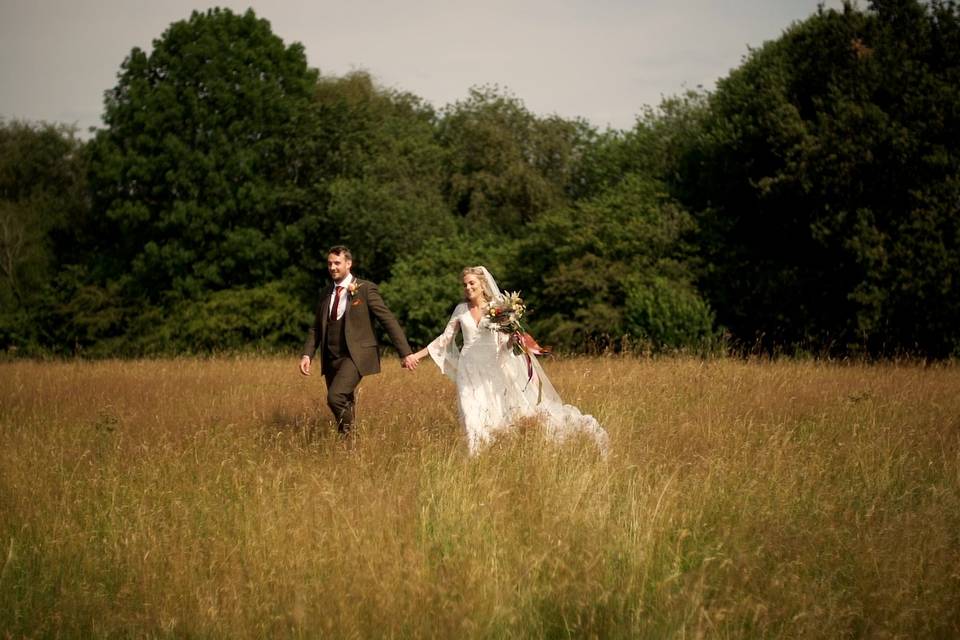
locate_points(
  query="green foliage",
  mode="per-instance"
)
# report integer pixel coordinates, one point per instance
(103, 323)
(386, 220)
(42, 199)
(667, 314)
(578, 260)
(657, 146)
(206, 176)
(387, 198)
(266, 318)
(826, 183)
(89, 318)
(811, 201)
(508, 165)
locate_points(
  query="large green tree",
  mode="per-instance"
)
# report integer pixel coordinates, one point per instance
(827, 183)
(208, 173)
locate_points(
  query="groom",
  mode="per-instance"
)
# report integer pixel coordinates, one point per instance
(343, 331)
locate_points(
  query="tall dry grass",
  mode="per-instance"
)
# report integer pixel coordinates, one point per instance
(209, 498)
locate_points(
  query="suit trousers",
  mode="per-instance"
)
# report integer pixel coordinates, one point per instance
(342, 378)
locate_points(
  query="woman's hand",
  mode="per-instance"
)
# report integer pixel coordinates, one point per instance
(412, 360)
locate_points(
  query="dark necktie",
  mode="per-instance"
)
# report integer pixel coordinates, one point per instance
(336, 304)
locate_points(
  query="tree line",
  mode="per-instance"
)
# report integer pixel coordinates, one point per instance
(809, 203)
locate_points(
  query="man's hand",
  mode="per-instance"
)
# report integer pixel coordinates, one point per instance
(410, 362)
(305, 365)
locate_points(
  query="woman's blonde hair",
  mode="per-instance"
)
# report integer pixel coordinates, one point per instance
(484, 286)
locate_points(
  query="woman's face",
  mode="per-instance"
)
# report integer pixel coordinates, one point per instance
(472, 288)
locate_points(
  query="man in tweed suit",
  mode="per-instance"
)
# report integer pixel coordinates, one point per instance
(342, 331)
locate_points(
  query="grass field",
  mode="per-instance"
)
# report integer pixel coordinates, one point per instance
(209, 498)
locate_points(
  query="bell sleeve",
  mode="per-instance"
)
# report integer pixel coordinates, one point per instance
(444, 349)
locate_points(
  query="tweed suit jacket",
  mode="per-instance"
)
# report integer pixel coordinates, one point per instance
(364, 306)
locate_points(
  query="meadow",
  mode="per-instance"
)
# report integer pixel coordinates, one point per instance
(209, 498)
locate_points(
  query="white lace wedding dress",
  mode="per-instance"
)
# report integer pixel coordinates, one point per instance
(494, 389)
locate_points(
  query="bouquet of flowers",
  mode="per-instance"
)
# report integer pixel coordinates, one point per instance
(506, 316)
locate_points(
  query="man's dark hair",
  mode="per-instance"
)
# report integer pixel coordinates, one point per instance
(341, 250)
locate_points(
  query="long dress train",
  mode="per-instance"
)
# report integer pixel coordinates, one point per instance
(494, 390)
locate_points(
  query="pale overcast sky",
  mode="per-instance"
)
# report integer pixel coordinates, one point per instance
(598, 59)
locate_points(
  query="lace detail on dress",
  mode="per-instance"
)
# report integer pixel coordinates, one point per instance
(444, 349)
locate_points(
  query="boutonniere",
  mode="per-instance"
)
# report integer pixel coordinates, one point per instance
(352, 291)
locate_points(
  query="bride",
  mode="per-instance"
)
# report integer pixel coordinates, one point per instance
(495, 386)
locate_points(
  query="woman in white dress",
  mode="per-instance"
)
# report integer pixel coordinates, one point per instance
(494, 386)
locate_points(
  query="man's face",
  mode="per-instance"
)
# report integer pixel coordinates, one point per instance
(338, 266)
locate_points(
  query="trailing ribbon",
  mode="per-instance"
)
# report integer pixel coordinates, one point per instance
(528, 345)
